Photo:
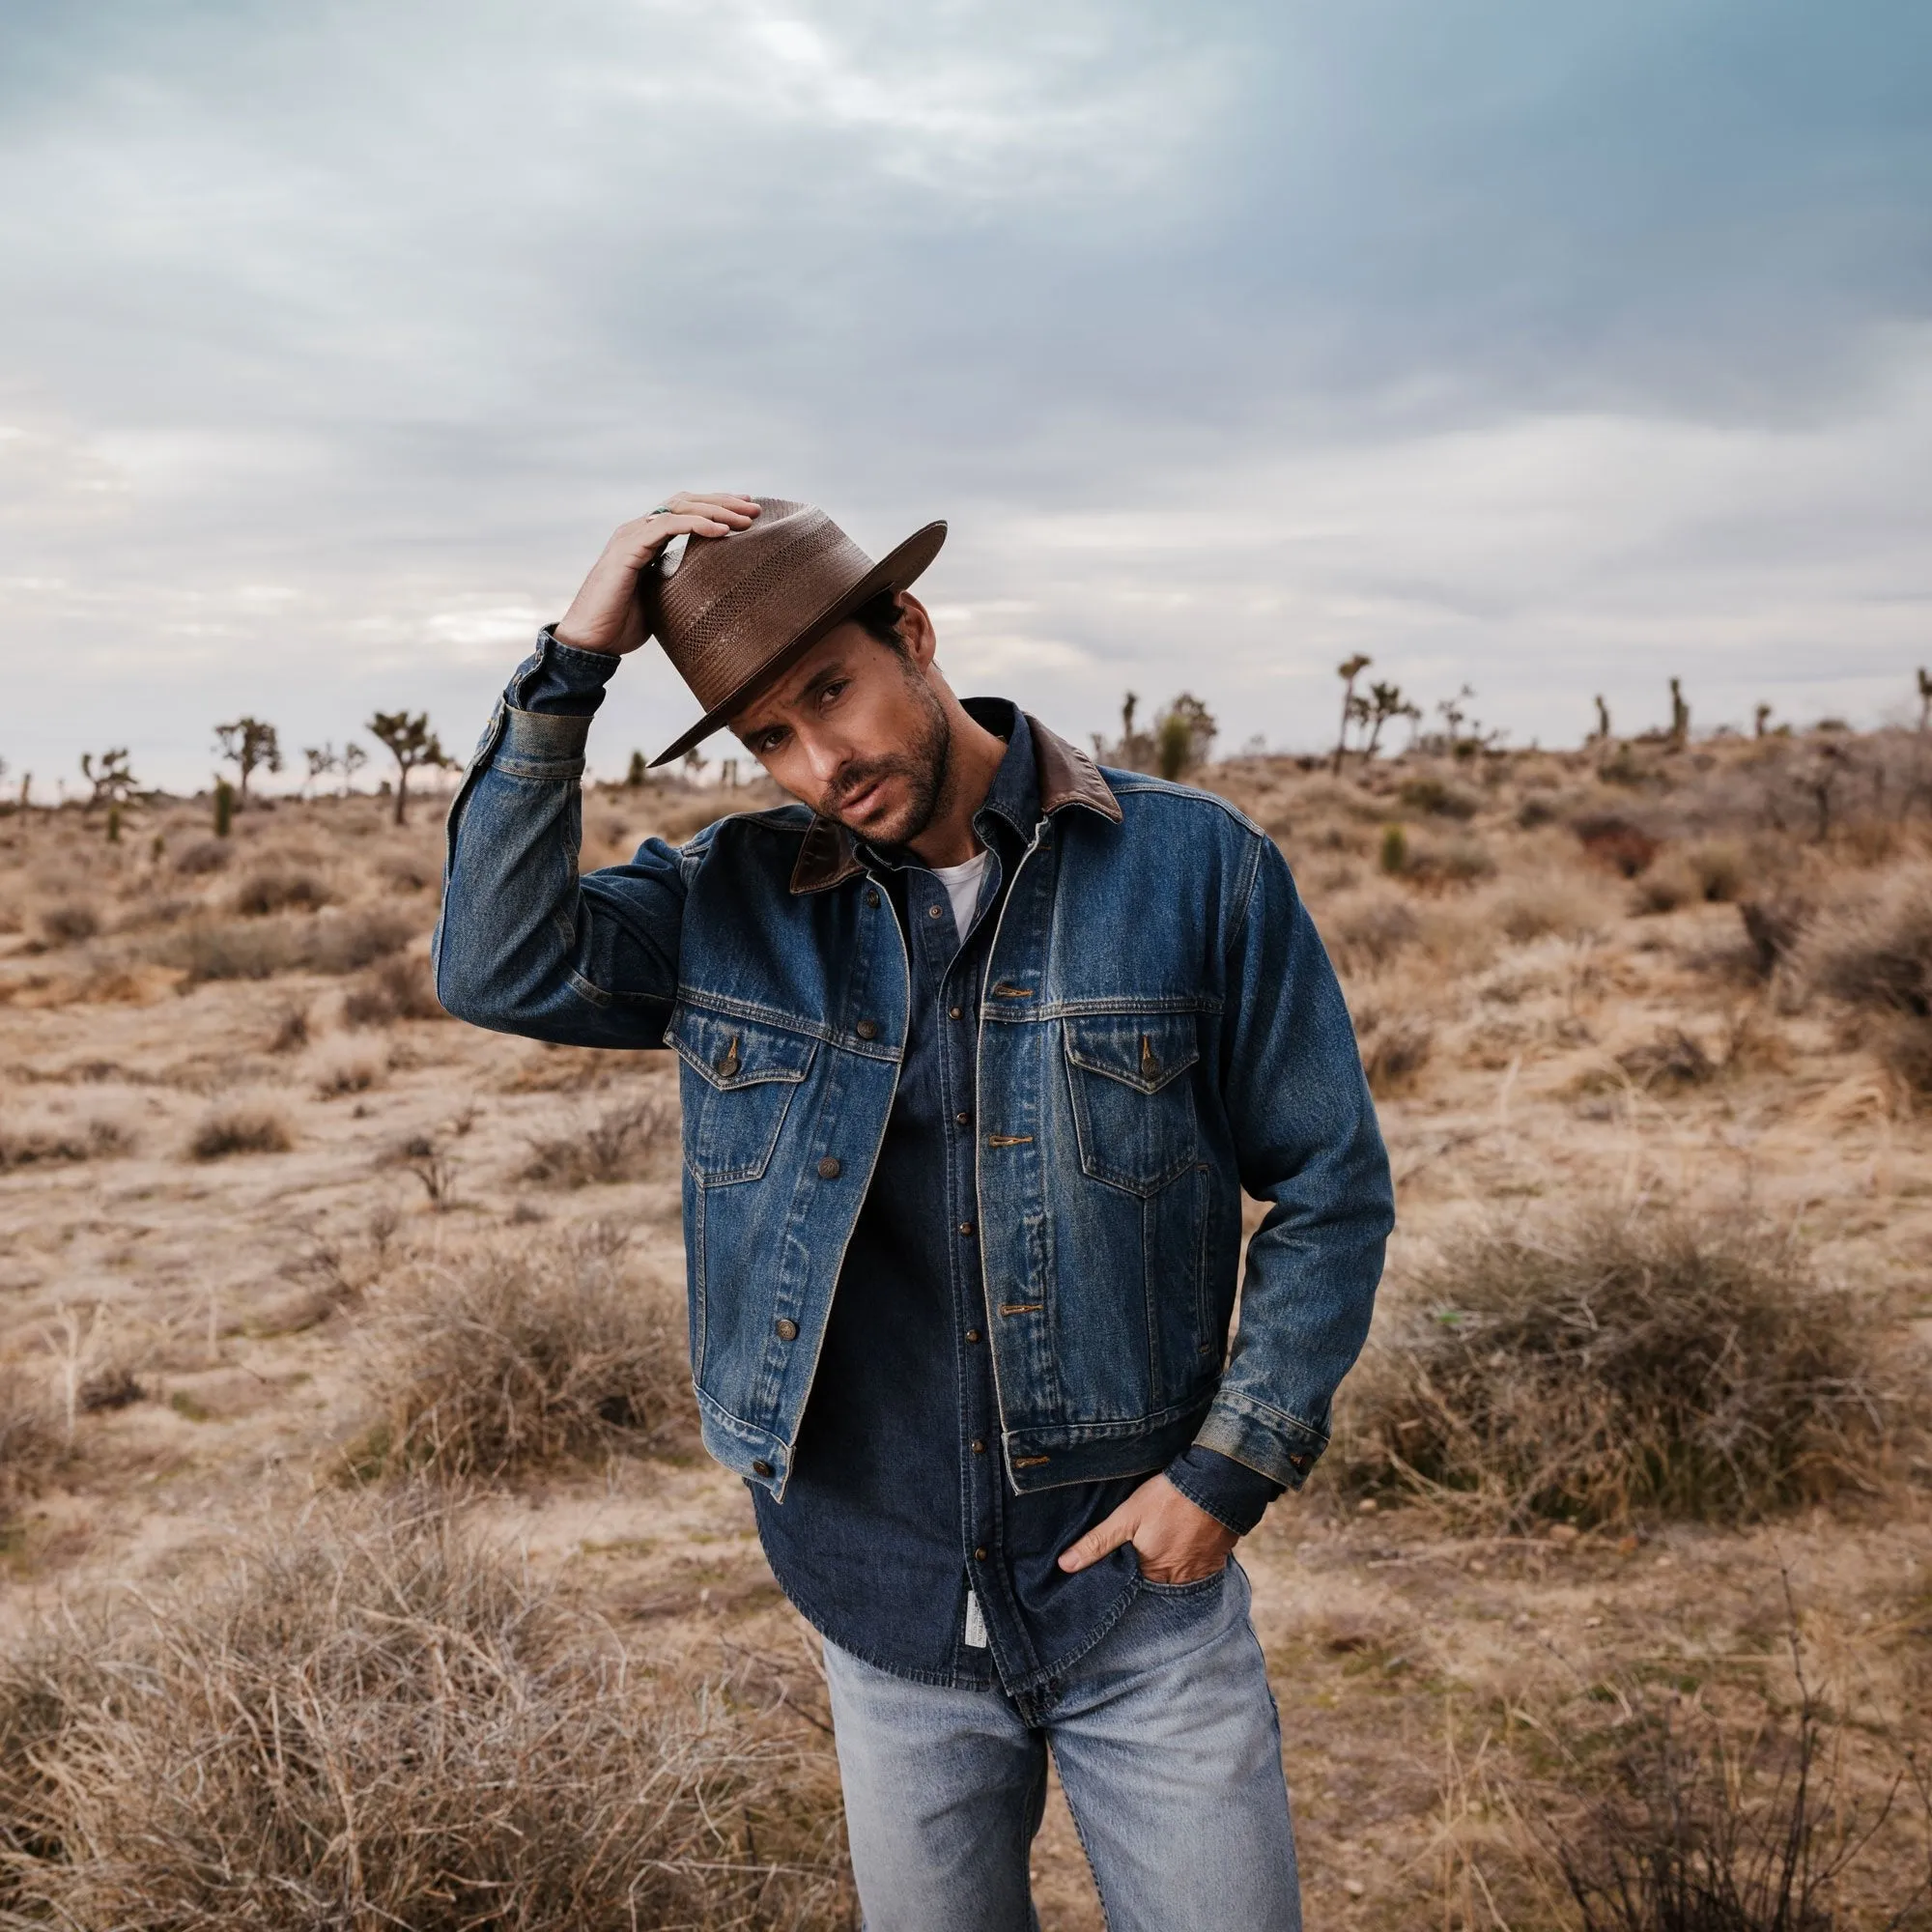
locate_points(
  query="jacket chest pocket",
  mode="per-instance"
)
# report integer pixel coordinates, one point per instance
(1132, 1111)
(738, 1083)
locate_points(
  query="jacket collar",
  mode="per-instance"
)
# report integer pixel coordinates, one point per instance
(1066, 775)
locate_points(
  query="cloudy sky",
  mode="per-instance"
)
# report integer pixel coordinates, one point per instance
(1546, 349)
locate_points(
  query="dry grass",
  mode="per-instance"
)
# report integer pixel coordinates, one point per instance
(1876, 950)
(1614, 1364)
(69, 923)
(398, 989)
(375, 1720)
(240, 1126)
(516, 1359)
(261, 948)
(621, 1144)
(96, 1139)
(276, 889)
(32, 1444)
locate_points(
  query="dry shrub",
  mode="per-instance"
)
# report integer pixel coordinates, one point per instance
(1877, 951)
(1395, 1048)
(1690, 1826)
(1615, 844)
(49, 1141)
(205, 855)
(1711, 872)
(258, 948)
(240, 1126)
(267, 892)
(32, 1445)
(1452, 862)
(1542, 908)
(621, 1144)
(374, 1720)
(551, 1351)
(1904, 1047)
(1672, 1058)
(290, 1030)
(1433, 796)
(1614, 1363)
(69, 923)
(1371, 931)
(398, 989)
(346, 1068)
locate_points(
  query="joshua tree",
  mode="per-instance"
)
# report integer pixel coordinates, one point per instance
(353, 758)
(1602, 719)
(112, 782)
(1680, 716)
(1924, 700)
(248, 745)
(410, 742)
(1183, 734)
(693, 763)
(1761, 721)
(1384, 702)
(638, 774)
(321, 760)
(1347, 671)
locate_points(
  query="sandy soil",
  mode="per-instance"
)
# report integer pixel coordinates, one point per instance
(1427, 1681)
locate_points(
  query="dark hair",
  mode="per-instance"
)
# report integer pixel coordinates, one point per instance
(880, 618)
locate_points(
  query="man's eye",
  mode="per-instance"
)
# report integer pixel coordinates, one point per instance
(832, 689)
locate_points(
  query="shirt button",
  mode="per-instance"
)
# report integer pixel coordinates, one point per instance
(932, 912)
(762, 1467)
(952, 1012)
(829, 1168)
(980, 1555)
(979, 1447)
(868, 1028)
(965, 1226)
(964, 1120)
(972, 1334)
(788, 1328)
(872, 900)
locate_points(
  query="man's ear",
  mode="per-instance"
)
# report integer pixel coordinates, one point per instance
(916, 628)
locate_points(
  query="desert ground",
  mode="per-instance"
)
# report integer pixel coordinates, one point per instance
(1625, 1520)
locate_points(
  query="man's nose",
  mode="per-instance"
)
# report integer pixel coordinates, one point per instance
(827, 760)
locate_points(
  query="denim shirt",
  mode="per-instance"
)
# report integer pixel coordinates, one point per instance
(893, 1487)
(1153, 1029)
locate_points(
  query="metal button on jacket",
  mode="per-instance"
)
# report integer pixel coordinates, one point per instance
(760, 1467)
(829, 1168)
(788, 1328)
(868, 1028)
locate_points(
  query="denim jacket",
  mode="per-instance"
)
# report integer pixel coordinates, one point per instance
(1160, 1031)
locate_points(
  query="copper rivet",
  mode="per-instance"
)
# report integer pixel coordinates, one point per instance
(980, 1555)
(829, 1168)
(788, 1328)
(965, 1226)
(972, 1334)
(868, 1028)
(762, 1467)
(978, 1447)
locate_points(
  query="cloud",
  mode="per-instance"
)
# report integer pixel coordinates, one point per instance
(1546, 352)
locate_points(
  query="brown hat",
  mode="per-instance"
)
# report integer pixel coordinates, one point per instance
(739, 608)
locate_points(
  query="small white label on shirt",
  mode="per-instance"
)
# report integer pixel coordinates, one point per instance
(976, 1624)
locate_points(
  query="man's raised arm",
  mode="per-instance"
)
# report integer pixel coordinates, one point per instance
(523, 945)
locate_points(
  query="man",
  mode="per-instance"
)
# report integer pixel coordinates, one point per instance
(980, 1047)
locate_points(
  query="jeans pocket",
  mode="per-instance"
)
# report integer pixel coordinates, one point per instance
(1199, 1586)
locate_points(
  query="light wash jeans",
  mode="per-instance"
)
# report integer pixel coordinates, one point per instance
(1169, 1749)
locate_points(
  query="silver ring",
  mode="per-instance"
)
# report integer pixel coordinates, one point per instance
(662, 510)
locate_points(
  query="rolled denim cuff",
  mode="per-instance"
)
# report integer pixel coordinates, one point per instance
(1233, 1494)
(1270, 1440)
(559, 680)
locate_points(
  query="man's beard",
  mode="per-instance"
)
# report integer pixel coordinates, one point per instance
(925, 765)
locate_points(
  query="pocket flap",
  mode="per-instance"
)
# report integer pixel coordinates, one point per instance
(1143, 1050)
(730, 1052)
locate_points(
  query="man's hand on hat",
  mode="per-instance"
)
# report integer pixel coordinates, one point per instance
(603, 615)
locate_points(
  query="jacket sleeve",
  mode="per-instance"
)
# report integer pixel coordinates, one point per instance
(523, 945)
(1307, 1144)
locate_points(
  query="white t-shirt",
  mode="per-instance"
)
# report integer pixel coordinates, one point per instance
(962, 888)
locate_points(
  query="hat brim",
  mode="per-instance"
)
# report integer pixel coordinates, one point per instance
(896, 571)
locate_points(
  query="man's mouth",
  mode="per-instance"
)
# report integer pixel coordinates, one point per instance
(858, 803)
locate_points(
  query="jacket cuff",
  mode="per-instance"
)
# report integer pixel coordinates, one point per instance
(559, 680)
(1276, 1444)
(1233, 1494)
